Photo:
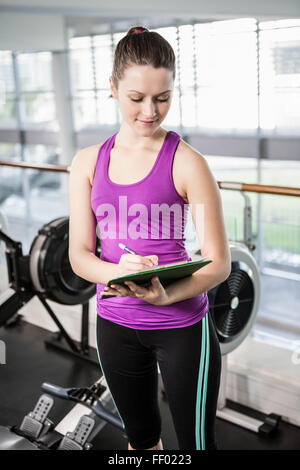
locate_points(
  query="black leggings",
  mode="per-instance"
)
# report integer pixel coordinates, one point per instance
(189, 360)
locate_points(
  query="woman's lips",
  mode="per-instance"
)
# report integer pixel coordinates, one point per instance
(147, 123)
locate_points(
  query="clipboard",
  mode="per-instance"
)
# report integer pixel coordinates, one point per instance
(167, 274)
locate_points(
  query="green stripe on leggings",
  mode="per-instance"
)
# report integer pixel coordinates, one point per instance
(198, 434)
(205, 384)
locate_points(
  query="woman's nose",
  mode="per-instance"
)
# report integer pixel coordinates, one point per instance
(149, 109)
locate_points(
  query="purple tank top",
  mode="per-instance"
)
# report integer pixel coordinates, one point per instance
(149, 217)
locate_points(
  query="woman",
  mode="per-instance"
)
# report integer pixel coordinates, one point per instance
(117, 186)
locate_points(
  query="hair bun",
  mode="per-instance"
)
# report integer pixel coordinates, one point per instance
(137, 30)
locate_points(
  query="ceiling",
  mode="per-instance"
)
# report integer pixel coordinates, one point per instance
(189, 8)
(96, 15)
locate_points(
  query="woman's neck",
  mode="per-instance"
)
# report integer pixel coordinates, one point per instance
(128, 139)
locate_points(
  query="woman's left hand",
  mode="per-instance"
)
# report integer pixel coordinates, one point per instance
(154, 294)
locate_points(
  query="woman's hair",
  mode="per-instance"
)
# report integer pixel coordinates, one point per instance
(142, 47)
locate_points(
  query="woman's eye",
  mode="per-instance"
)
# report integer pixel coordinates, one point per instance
(160, 101)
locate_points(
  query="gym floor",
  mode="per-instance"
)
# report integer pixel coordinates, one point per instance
(29, 363)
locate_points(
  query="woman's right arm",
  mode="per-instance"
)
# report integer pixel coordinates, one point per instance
(82, 228)
(82, 224)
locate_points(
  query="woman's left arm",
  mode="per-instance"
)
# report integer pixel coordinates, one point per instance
(205, 202)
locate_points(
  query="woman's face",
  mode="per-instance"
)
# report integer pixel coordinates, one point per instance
(144, 96)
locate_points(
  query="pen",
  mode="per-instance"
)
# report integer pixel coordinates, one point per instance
(125, 248)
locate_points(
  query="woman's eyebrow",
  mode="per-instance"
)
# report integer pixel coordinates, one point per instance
(162, 93)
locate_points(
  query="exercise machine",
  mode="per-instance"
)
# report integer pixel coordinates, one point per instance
(76, 431)
(46, 273)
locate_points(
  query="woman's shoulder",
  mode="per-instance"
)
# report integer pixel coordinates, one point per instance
(193, 167)
(187, 152)
(186, 163)
(85, 160)
(188, 158)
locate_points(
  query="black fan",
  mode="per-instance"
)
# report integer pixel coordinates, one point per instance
(233, 303)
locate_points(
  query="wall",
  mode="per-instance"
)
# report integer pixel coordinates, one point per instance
(38, 32)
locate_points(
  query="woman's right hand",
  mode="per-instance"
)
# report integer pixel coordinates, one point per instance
(130, 263)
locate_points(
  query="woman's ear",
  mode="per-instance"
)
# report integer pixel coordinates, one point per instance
(113, 89)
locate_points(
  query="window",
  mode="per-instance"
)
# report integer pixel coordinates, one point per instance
(226, 73)
(218, 86)
(280, 76)
(91, 65)
(8, 116)
(37, 101)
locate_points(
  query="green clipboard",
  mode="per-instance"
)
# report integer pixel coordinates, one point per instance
(167, 274)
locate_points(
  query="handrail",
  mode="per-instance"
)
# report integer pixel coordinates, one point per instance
(260, 188)
(36, 166)
(249, 187)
